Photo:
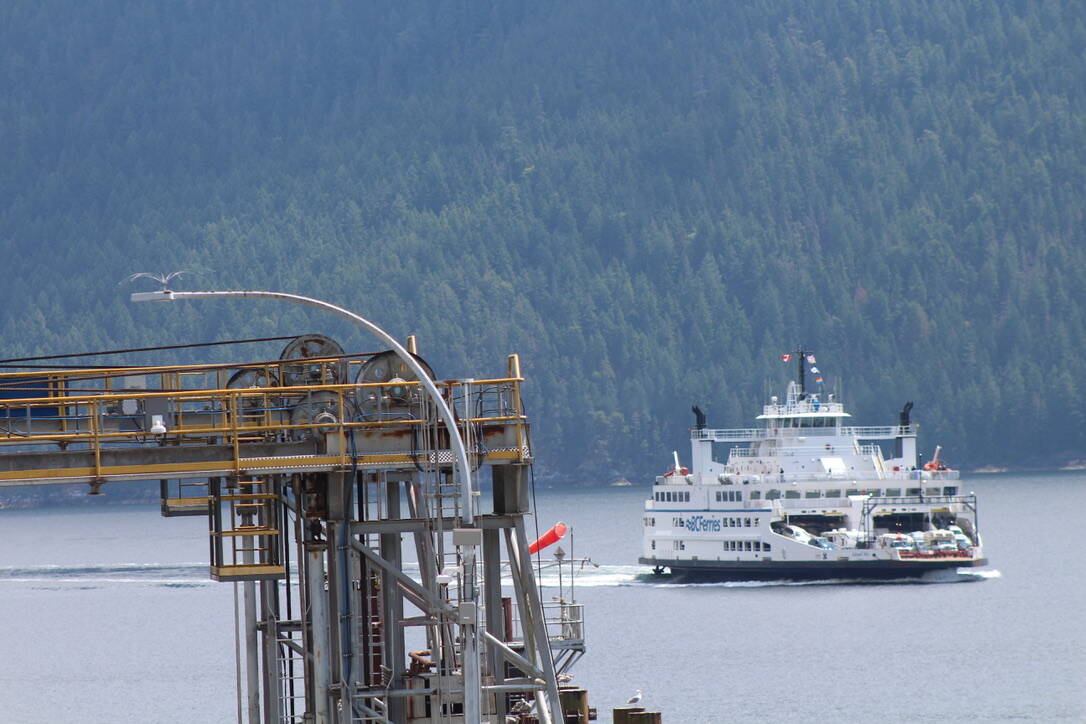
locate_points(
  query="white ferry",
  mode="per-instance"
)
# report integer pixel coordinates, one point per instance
(806, 496)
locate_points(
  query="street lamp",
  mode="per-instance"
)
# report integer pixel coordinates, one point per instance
(471, 664)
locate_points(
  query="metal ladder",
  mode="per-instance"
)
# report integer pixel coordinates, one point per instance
(248, 549)
(290, 657)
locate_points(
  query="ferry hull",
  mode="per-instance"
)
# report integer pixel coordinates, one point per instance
(719, 571)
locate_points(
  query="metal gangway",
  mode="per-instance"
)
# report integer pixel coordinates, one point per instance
(317, 472)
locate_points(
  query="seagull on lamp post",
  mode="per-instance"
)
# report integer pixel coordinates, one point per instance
(163, 279)
(635, 699)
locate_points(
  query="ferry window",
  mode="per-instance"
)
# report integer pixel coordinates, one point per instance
(718, 496)
(746, 545)
(875, 492)
(833, 493)
(933, 491)
(746, 522)
(791, 494)
(686, 497)
(654, 545)
(667, 497)
(772, 494)
(813, 494)
(765, 547)
(950, 490)
(755, 495)
(893, 492)
(739, 495)
(912, 491)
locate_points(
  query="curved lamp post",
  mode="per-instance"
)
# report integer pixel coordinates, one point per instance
(471, 664)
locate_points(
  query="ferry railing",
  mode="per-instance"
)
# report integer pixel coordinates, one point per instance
(880, 432)
(844, 500)
(884, 432)
(814, 450)
(920, 476)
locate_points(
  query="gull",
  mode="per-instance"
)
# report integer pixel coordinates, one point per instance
(163, 279)
(522, 707)
(635, 699)
(564, 678)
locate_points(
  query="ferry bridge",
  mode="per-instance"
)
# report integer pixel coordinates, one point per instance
(314, 470)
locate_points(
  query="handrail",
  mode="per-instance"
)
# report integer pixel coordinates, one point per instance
(741, 434)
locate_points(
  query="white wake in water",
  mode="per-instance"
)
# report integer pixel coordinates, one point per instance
(587, 576)
(93, 576)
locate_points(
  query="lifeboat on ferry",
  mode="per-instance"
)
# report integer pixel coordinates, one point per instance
(676, 469)
(935, 464)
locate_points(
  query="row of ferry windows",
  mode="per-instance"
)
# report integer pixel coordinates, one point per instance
(726, 522)
(873, 492)
(729, 545)
(683, 496)
(746, 545)
(732, 496)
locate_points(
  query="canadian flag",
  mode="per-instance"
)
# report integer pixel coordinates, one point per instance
(786, 358)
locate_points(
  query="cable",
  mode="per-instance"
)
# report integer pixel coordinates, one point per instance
(7, 384)
(146, 349)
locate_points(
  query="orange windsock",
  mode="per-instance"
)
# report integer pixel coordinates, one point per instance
(551, 537)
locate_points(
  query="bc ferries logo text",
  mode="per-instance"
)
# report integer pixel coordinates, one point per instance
(701, 524)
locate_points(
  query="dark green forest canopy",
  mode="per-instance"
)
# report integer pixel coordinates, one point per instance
(648, 201)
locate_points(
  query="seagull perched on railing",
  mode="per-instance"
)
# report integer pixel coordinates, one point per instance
(635, 699)
(163, 279)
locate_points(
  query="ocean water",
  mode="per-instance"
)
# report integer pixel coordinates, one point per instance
(110, 617)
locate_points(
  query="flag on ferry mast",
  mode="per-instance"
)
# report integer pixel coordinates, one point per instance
(810, 359)
(819, 379)
(786, 358)
(814, 370)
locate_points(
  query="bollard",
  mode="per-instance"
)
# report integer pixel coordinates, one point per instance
(574, 705)
(622, 714)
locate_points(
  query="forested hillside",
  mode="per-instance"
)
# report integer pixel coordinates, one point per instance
(649, 201)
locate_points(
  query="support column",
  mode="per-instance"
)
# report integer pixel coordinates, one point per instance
(526, 581)
(252, 647)
(320, 662)
(269, 626)
(495, 616)
(391, 551)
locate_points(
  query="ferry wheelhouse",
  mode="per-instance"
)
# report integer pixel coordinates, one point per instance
(806, 495)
